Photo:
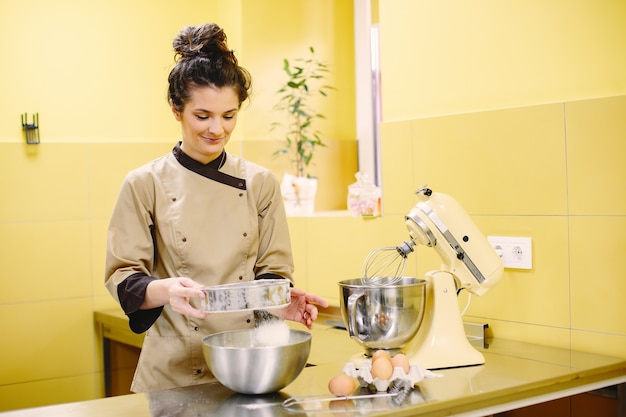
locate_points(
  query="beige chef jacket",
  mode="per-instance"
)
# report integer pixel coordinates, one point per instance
(170, 221)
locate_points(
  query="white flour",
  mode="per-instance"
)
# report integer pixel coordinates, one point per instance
(272, 333)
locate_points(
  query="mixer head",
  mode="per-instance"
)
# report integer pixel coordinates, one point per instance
(440, 222)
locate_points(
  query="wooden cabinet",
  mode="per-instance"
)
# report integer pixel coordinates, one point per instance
(119, 348)
(122, 362)
(607, 402)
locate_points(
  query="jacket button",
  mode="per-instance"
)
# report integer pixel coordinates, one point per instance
(240, 194)
(184, 239)
(245, 234)
(198, 371)
(196, 328)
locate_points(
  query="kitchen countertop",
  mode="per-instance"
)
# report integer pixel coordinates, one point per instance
(515, 375)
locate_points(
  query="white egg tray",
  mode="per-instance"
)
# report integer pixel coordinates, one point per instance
(263, 294)
(364, 374)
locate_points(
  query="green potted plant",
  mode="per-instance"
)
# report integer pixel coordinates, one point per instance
(305, 81)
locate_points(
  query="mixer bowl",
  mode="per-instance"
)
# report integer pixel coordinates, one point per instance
(240, 363)
(383, 315)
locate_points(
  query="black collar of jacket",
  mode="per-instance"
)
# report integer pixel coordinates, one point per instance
(210, 170)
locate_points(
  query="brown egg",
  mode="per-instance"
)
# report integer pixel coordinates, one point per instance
(382, 368)
(341, 384)
(380, 354)
(400, 360)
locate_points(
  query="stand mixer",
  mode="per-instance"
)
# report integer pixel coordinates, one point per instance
(468, 262)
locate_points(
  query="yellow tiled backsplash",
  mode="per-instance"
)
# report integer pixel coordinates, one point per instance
(552, 172)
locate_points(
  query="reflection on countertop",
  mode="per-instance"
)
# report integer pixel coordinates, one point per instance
(215, 400)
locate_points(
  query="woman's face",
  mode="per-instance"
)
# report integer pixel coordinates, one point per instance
(207, 121)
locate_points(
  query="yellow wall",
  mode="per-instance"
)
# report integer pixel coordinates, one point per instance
(327, 26)
(452, 56)
(552, 172)
(517, 109)
(97, 74)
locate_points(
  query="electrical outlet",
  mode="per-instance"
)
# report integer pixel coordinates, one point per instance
(515, 252)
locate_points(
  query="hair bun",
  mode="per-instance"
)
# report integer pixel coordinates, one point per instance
(202, 58)
(207, 41)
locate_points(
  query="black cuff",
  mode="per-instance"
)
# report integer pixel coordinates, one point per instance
(141, 320)
(132, 292)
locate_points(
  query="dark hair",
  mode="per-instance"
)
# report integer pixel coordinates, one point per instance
(203, 59)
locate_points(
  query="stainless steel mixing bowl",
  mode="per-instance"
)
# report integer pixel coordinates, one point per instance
(383, 316)
(241, 364)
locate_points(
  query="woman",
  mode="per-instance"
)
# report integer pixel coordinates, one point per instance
(197, 217)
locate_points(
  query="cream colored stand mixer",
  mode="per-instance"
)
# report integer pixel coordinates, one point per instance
(468, 262)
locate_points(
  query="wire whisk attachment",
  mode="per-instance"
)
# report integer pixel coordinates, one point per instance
(402, 388)
(386, 265)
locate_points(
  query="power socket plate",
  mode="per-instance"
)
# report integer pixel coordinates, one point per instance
(515, 252)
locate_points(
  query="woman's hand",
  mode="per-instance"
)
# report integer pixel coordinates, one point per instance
(176, 292)
(302, 308)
